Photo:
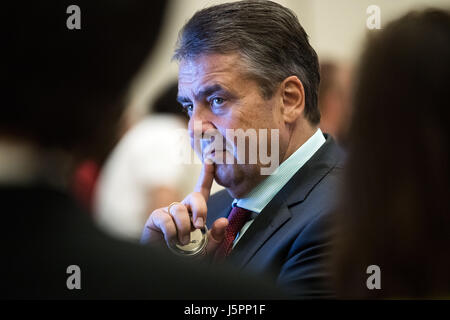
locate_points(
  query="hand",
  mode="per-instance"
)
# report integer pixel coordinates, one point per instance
(175, 226)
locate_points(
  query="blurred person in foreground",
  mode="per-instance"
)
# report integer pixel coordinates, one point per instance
(396, 212)
(246, 67)
(65, 87)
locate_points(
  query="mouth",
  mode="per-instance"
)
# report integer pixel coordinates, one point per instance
(214, 151)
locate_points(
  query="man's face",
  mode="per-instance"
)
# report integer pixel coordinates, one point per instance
(217, 95)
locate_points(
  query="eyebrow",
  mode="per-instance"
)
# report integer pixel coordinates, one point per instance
(205, 92)
(183, 99)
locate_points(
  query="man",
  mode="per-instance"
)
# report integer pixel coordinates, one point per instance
(248, 65)
(67, 68)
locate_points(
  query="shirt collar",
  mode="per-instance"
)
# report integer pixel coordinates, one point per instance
(263, 193)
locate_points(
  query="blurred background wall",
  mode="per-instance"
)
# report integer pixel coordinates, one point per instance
(336, 28)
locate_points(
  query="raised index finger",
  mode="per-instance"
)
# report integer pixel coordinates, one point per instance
(206, 179)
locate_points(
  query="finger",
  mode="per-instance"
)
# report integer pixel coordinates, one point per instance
(206, 179)
(162, 221)
(182, 220)
(151, 234)
(196, 204)
(216, 234)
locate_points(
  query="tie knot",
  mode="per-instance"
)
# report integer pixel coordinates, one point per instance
(237, 218)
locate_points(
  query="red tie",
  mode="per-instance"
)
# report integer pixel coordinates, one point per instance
(236, 220)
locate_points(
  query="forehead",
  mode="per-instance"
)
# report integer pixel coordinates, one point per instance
(218, 68)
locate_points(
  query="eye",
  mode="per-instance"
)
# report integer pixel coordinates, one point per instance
(188, 108)
(216, 102)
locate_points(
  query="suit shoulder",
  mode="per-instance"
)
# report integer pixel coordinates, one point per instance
(217, 205)
(220, 199)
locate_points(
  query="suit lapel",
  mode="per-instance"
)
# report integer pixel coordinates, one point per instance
(314, 170)
(277, 212)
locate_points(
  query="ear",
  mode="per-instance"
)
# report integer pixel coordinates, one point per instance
(293, 98)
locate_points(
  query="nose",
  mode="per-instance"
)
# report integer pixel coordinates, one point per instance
(200, 122)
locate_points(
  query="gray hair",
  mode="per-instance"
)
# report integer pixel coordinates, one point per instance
(269, 38)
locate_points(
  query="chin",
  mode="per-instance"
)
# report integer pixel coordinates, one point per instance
(237, 179)
(224, 175)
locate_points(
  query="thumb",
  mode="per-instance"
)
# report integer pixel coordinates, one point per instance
(206, 179)
(216, 234)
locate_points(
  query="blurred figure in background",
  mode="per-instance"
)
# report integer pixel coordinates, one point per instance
(334, 99)
(396, 212)
(150, 167)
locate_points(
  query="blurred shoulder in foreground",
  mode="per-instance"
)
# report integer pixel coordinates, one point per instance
(396, 213)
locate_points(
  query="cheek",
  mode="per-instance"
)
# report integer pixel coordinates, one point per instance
(242, 119)
(256, 115)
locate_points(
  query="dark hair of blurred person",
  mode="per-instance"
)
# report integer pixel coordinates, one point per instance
(65, 88)
(166, 103)
(63, 91)
(396, 212)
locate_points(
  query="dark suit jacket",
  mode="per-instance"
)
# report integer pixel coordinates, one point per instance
(44, 232)
(290, 239)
